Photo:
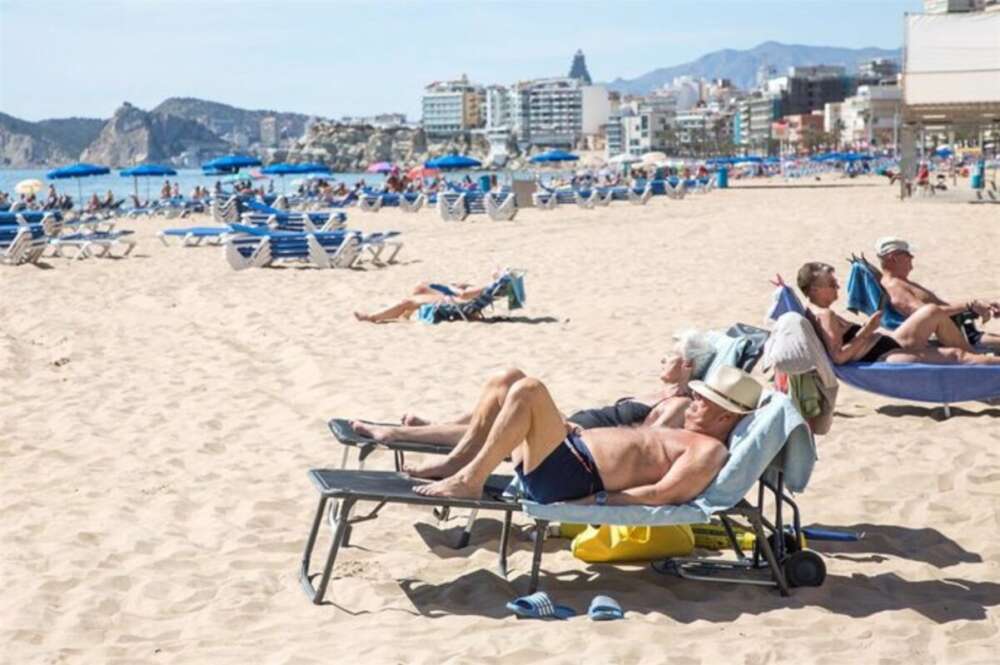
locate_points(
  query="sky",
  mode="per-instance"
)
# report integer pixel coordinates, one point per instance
(331, 58)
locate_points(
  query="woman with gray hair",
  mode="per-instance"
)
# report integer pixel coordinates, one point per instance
(663, 406)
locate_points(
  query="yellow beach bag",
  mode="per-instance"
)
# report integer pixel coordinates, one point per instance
(611, 543)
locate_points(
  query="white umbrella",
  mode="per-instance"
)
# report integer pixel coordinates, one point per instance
(30, 186)
(654, 158)
(624, 158)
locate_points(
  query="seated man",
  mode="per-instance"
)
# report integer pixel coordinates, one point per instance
(616, 466)
(906, 296)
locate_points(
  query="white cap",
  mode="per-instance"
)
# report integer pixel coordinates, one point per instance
(888, 245)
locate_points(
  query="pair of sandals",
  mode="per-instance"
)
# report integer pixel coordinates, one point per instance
(539, 606)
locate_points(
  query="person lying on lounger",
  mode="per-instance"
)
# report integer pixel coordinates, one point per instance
(423, 294)
(557, 461)
(907, 296)
(849, 342)
(662, 407)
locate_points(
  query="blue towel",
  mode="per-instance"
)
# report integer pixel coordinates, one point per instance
(516, 296)
(865, 294)
(940, 384)
(754, 443)
(785, 301)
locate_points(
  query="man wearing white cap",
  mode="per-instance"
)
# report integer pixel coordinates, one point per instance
(556, 461)
(906, 296)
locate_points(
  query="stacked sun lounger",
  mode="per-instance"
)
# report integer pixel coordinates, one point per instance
(406, 201)
(257, 247)
(25, 235)
(457, 206)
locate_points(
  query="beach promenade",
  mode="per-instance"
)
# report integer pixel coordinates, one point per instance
(159, 414)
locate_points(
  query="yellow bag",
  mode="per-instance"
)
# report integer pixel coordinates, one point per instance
(607, 543)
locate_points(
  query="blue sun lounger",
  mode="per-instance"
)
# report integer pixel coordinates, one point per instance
(509, 284)
(771, 449)
(919, 382)
(255, 247)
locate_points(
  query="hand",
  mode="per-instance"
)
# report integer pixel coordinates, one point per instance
(871, 325)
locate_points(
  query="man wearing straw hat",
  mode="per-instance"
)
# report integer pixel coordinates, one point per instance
(557, 461)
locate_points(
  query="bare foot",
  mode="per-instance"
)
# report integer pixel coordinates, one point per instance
(452, 486)
(414, 421)
(439, 468)
(361, 316)
(379, 433)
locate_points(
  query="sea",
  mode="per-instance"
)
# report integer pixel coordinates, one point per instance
(186, 179)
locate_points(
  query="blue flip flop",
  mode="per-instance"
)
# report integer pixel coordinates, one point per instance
(539, 606)
(605, 608)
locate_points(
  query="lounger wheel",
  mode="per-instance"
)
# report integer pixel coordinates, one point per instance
(791, 544)
(804, 568)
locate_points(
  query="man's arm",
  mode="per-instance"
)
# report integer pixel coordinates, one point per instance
(688, 477)
(908, 297)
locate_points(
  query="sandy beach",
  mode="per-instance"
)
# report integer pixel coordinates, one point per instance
(159, 415)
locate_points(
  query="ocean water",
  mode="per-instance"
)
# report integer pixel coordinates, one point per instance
(123, 187)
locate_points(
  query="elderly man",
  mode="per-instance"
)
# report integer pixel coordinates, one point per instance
(557, 461)
(907, 296)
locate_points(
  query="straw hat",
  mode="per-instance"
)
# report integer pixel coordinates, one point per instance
(731, 388)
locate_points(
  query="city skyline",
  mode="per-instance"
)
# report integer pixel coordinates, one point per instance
(268, 57)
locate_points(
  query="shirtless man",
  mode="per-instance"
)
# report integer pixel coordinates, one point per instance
(615, 466)
(906, 296)
(663, 407)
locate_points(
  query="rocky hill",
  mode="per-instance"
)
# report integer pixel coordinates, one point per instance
(347, 148)
(26, 144)
(741, 66)
(133, 136)
(228, 121)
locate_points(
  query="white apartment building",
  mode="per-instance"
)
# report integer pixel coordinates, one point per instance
(499, 108)
(643, 132)
(558, 111)
(870, 117)
(450, 107)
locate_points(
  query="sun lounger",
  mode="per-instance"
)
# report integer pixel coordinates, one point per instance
(771, 448)
(25, 234)
(500, 206)
(17, 245)
(921, 382)
(509, 284)
(99, 244)
(194, 236)
(254, 247)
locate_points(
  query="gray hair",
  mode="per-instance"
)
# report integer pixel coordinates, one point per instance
(697, 348)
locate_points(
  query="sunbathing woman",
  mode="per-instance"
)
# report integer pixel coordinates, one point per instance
(910, 343)
(423, 294)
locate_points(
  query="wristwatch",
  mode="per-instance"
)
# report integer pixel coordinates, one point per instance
(601, 498)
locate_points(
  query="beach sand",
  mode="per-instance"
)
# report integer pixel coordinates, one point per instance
(159, 414)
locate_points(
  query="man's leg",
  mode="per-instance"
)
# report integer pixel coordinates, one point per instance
(529, 426)
(491, 399)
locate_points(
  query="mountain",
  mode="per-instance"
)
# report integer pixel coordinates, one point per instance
(229, 121)
(741, 66)
(133, 136)
(26, 144)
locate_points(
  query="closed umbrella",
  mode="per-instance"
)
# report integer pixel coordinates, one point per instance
(77, 171)
(452, 162)
(30, 186)
(146, 171)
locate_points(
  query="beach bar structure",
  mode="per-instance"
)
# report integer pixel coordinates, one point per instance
(951, 77)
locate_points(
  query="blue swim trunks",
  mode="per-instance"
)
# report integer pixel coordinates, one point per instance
(567, 473)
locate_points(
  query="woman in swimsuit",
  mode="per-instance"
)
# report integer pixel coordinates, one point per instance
(910, 343)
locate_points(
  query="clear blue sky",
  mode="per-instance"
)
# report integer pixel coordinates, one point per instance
(340, 57)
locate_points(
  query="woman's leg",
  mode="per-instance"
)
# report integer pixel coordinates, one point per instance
(490, 400)
(915, 332)
(402, 310)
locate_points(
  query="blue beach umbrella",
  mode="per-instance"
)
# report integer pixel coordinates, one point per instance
(452, 162)
(77, 171)
(146, 171)
(282, 169)
(314, 167)
(554, 156)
